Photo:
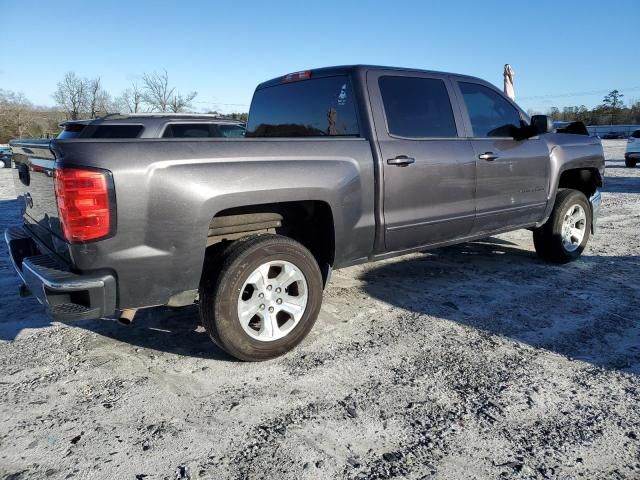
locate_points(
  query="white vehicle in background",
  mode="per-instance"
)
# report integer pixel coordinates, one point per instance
(632, 154)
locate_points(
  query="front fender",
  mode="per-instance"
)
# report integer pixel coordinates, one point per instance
(568, 152)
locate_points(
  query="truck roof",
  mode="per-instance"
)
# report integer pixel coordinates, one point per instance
(351, 69)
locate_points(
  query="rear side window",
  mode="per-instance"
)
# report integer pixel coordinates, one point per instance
(636, 134)
(111, 131)
(308, 108)
(190, 130)
(490, 113)
(231, 131)
(417, 107)
(72, 130)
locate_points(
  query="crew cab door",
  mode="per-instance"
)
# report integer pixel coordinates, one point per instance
(511, 175)
(428, 166)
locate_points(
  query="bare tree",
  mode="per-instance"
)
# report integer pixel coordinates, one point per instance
(72, 95)
(180, 103)
(20, 119)
(99, 99)
(93, 87)
(157, 93)
(132, 98)
(160, 96)
(16, 118)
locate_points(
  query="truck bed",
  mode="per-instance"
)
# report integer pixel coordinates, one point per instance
(168, 190)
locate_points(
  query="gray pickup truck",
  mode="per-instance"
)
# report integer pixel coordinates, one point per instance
(339, 166)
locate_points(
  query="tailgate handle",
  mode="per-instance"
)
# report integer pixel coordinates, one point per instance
(401, 161)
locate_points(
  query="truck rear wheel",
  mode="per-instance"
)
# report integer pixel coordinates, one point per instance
(566, 233)
(260, 296)
(630, 162)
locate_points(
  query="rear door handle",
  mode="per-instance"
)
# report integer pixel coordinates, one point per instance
(401, 161)
(488, 156)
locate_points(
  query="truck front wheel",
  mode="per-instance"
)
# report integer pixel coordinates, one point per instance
(260, 297)
(565, 235)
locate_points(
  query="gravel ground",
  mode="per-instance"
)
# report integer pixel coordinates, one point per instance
(474, 361)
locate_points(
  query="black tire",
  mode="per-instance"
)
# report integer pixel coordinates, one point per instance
(548, 238)
(630, 162)
(220, 289)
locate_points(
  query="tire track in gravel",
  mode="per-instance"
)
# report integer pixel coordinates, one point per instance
(408, 376)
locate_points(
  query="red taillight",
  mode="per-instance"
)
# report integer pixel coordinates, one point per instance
(297, 76)
(83, 203)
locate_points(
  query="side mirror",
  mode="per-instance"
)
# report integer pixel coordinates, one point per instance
(542, 124)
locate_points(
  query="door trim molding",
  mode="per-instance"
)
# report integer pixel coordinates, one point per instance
(468, 238)
(430, 222)
(511, 209)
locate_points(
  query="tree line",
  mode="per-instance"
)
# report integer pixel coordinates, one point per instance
(86, 97)
(81, 97)
(612, 111)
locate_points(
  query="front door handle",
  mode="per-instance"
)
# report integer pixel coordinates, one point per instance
(488, 156)
(401, 161)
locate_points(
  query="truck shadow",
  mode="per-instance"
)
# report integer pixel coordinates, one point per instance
(487, 285)
(170, 330)
(16, 314)
(163, 329)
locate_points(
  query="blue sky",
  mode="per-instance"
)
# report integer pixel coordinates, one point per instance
(223, 49)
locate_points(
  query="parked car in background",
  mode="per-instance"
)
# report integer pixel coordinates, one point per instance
(341, 165)
(577, 128)
(611, 136)
(5, 157)
(153, 125)
(560, 124)
(632, 153)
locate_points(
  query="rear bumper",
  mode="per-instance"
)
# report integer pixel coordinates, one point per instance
(66, 295)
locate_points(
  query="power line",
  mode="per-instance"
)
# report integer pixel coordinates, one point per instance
(225, 104)
(579, 94)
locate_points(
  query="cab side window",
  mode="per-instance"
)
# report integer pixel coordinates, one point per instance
(417, 107)
(491, 114)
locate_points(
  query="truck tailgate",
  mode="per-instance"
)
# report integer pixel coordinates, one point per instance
(33, 180)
